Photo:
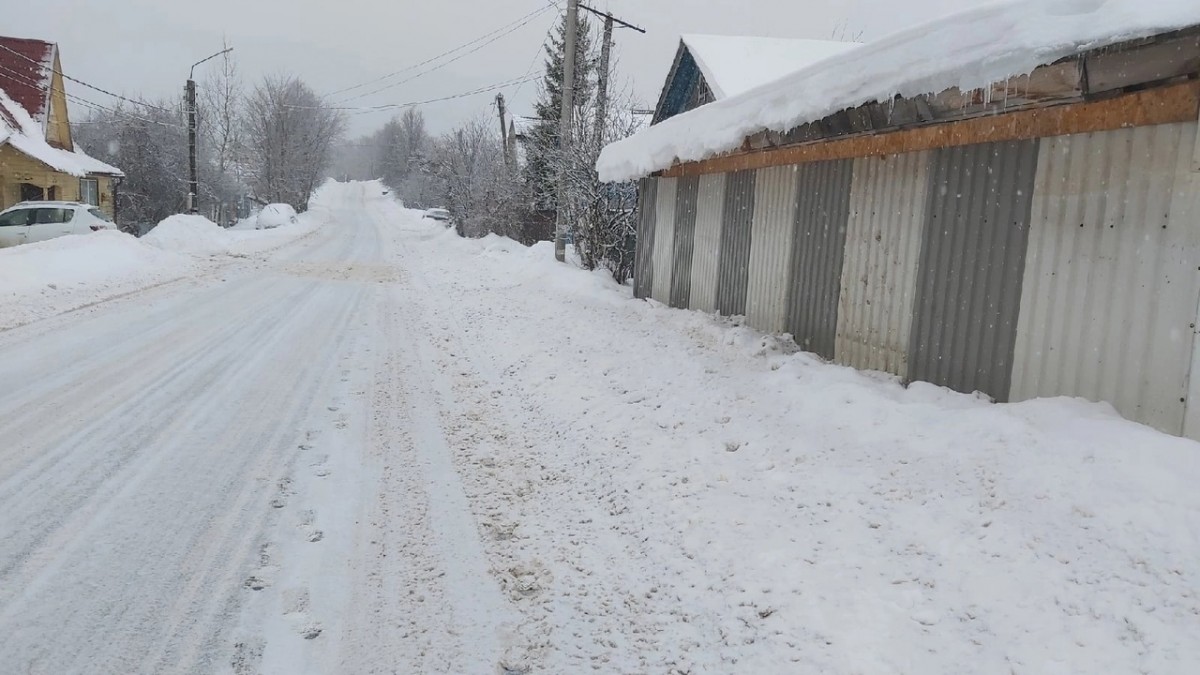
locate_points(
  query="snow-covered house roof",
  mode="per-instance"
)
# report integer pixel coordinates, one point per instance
(713, 67)
(26, 68)
(968, 50)
(26, 76)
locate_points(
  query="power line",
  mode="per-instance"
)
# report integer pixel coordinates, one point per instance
(521, 23)
(498, 33)
(410, 104)
(92, 104)
(541, 48)
(81, 82)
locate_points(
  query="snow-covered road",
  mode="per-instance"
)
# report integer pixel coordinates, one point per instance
(383, 449)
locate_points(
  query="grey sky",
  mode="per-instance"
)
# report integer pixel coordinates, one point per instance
(146, 46)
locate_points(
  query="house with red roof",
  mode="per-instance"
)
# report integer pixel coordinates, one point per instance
(38, 158)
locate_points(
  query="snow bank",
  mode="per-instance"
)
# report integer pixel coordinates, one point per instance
(276, 215)
(709, 499)
(967, 50)
(198, 235)
(50, 277)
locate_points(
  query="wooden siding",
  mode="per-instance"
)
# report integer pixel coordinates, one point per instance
(1163, 105)
(17, 168)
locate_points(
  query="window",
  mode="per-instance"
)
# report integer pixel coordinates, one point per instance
(18, 218)
(100, 214)
(89, 191)
(52, 216)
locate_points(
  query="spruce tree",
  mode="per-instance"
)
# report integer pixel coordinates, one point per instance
(543, 136)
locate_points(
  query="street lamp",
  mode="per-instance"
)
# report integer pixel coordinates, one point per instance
(190, 89)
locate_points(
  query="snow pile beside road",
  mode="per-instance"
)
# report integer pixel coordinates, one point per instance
(667, 491)
(198, 235)
(50, 277)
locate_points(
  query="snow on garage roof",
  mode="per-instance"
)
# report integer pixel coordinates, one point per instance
(969, 50)
(733, 64)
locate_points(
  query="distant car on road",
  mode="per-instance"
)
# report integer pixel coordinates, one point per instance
(275, 215)
(28, 222)
(440, 215)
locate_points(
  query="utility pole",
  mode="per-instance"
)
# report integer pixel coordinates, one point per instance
(605, 54)
(504, 132)
(602, 84)
(190, 91)
(193, 183)
(564, 129)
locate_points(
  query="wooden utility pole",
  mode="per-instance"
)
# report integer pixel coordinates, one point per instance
(602, 84)
(564, 130)
(504, 132)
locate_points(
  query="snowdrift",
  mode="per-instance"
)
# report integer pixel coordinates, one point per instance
(51, 277)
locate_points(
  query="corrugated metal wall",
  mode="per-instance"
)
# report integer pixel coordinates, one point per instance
(879, 275)
(734, 263)
(972, 262)
(1111, 284)
(664, 239)
(707, 245)
(772, 228)
(823, 204)
(685, 232)
(643, 259)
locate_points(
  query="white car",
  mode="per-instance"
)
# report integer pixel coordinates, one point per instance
(28, 222)
(275, 215)
(440, 215)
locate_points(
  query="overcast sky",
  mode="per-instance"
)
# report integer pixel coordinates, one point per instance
(146, 46)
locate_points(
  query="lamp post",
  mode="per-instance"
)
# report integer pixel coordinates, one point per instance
(190, 91)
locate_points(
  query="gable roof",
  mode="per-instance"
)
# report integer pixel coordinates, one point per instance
(26, 69)
(733, 64)
(968, 50)
(713, 67)
(26, 72)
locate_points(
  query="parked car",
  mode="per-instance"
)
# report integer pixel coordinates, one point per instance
(38, 221)
(275, 215)
(440, 215)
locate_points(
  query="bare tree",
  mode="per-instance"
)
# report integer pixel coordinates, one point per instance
(290, 133)
(220, 111)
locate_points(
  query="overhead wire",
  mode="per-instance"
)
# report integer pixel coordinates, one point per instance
(81, 82)
(93, 105)
(478, 43)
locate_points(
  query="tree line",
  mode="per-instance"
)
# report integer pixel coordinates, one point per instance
(510, 187)
(266, 143)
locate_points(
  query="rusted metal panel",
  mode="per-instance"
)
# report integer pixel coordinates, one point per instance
(823, 204)
(972, 261)
(664, 239)
(879, 275)
(643, 261)
(772, 228)
(1108, 301)
(685, 231)
(706, 248)
(734, 261)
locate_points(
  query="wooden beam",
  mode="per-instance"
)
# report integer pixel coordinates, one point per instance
(1163, 105)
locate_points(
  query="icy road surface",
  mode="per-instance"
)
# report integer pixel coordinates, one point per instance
(382, 449)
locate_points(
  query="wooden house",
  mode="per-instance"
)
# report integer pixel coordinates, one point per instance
(38, 158)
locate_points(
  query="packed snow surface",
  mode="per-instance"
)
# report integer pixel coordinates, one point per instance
(46, 278)
(732, 64)
(384, 448)
(968, 50)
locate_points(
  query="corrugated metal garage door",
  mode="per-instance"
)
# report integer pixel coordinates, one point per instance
(972, 262)
(685, 232)
(823, 204)
(664, 239)
(735, 243)
(772, 229)
(643, 261)
(707, 245)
